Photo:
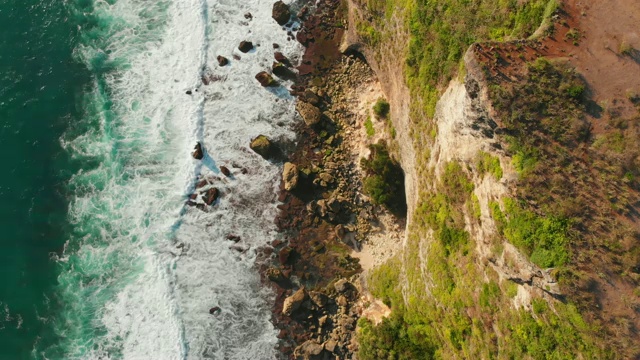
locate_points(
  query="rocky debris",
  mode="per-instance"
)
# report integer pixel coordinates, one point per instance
(198, 153)
(210, 196)
(274, 274)
(319, 299)
(290, 176)
(310, 114)
(330, 346)
(245, 46)
(225, 171)
(310, 97)
(281, 13)
(281, 58)
(293, 302)
(222, 61)
(309, 350)
(325, 211)
(283, 72)
(262, 146)
(265, 79)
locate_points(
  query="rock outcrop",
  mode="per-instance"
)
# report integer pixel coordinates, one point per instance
(293, 302)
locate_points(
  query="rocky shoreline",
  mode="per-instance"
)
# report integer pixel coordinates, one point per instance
(323, 214)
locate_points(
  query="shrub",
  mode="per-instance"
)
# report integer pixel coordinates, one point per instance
(368, 125)
(384, 182)
(381, 108)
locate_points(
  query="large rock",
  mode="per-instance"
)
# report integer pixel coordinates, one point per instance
(265, 79)
(262, 146)
(310, 114)
(293, 302)
(309, 350)
(281, 13)
(290, 176)
(245, 46)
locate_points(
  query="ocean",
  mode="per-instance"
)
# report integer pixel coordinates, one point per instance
(102, 259)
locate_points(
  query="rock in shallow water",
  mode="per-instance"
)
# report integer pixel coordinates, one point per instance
(222, 61)
(281, 13)
(245, 46)
(265, 79)
(198, 153)
(262, 146)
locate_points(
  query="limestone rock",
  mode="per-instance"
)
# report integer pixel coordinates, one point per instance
(293, 302)
(330, 346)
(309, 350)
(281, 13)
(290, 176)
(262, 146)
(310, 114)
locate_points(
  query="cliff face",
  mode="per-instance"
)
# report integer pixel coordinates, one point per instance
(465, 128)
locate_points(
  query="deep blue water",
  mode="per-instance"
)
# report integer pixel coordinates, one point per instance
(40, 88)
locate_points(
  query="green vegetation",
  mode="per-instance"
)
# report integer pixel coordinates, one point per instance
(368, 125)
(384, 182)
(487, 163)
(544, 239)
(441, 32)
(381, 108)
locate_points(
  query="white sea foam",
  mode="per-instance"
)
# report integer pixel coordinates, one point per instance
(144, 268)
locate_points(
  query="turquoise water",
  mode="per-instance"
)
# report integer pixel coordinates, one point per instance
(100, 257)
(40, 84)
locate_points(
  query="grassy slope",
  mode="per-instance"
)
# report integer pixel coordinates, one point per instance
(446, 307)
